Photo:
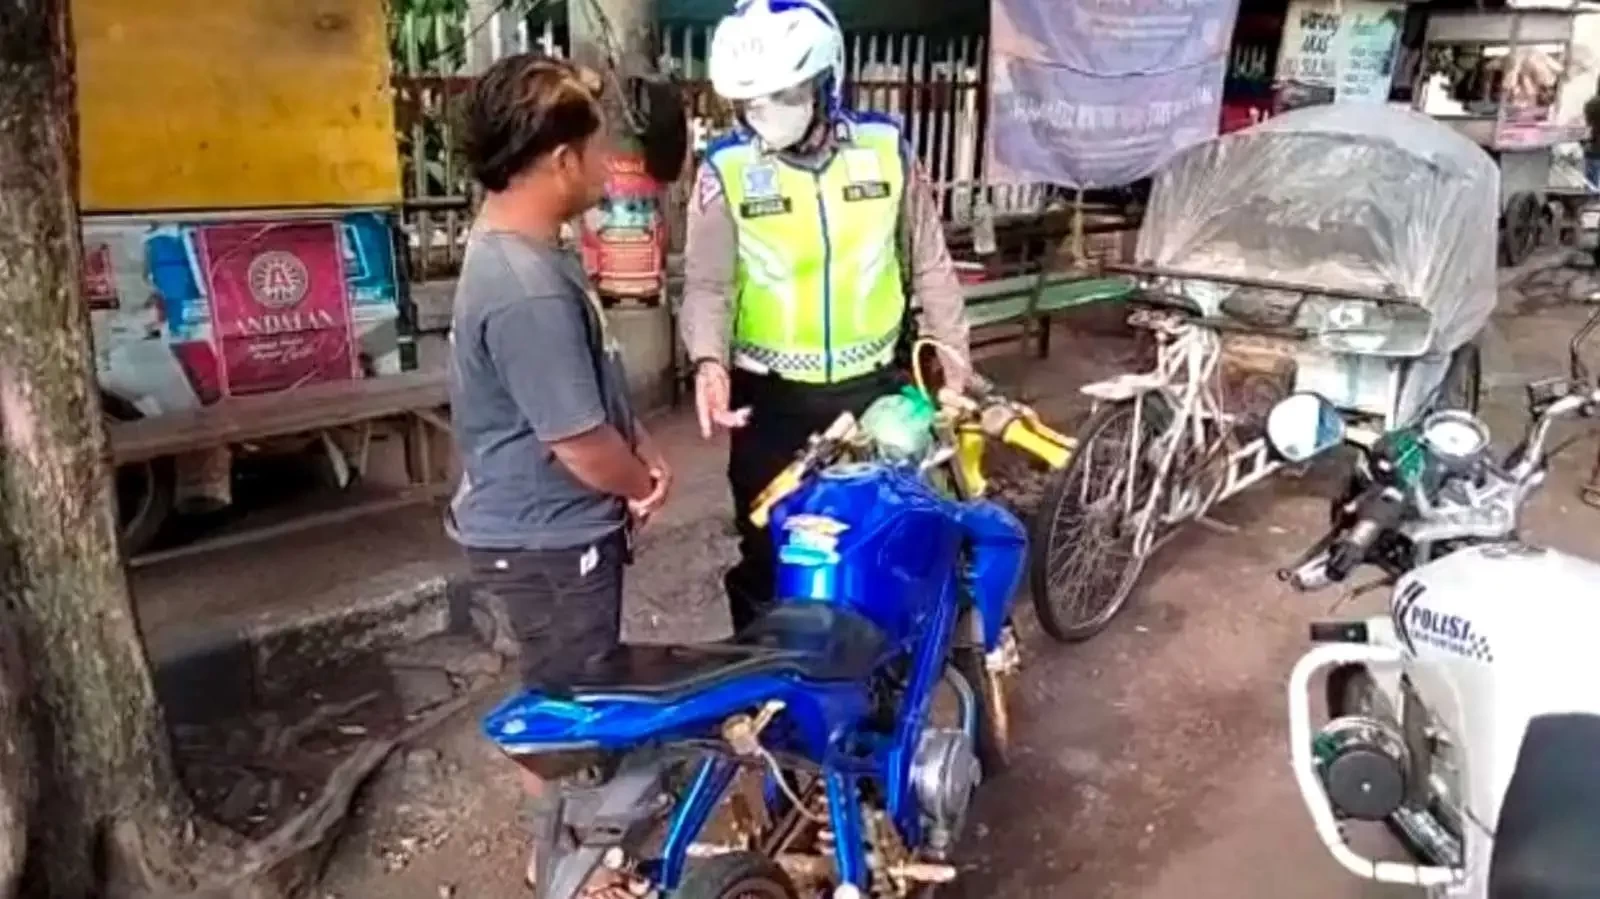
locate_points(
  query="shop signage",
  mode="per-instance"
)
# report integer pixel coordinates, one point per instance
(1338, 51)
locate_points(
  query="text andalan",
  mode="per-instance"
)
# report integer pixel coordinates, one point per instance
(273, 323)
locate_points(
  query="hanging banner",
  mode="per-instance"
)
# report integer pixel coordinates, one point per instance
(1338, 51)
(1247, 90)
(1099, 93)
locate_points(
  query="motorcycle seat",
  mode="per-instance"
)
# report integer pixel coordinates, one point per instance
(1549, 829)
(814, 641)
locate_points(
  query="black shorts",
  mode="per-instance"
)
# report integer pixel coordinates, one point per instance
(563, 606)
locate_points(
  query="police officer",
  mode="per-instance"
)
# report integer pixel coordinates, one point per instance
(811, 235)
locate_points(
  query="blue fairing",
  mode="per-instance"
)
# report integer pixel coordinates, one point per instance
(899, 543)
(998, 550)
(533, 721)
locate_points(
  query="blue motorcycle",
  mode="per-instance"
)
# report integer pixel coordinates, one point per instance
(894, 575)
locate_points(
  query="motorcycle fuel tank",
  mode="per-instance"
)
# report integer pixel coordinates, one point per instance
(1505, 605)
(1495, 636)
(877, 538)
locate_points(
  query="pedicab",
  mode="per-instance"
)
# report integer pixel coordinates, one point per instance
(1344, 250)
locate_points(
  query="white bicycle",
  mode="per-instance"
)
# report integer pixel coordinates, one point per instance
(1160, 449)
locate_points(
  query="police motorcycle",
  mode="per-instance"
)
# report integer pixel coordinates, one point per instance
(1467, 718)
(815, 728)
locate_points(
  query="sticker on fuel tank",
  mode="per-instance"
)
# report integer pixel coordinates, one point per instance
(812, 540)
(1454, 634)
(815, 524)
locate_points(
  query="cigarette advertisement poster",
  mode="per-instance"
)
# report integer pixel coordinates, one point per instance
(176, 324)
(624, 236)
(1098, 93)
(279, 304)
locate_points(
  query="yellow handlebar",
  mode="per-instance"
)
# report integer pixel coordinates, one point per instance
(779, 487)
(1038, 440)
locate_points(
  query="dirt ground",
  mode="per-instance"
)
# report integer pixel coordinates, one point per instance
(1153, 759)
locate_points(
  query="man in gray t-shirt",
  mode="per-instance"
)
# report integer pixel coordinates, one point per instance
(556, 468)
(530, 366)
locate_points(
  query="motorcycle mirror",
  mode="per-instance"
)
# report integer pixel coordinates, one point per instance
(1303, 426)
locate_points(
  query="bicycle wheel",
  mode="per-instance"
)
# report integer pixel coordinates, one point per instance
(1083, 566)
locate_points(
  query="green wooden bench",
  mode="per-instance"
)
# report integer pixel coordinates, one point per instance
(1031, 301)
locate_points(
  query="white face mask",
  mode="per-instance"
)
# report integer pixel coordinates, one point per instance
(780, 124)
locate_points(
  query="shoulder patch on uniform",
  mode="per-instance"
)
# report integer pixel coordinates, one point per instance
(708, 187)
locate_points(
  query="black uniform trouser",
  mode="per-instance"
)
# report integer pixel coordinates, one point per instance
(782, 415)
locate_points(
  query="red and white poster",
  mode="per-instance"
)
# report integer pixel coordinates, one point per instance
(280, 310)
(625, 237)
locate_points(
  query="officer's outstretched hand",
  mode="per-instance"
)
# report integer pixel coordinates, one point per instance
(711, 399)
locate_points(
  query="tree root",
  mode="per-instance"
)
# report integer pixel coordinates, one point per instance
(283, 865)
(291, 735)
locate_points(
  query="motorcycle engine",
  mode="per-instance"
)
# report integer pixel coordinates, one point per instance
(1364, 765)
(946, 774)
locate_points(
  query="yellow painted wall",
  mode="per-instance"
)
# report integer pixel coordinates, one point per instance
(227, 104)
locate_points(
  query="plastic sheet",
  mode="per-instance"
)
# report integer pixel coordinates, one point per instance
(1357, 197)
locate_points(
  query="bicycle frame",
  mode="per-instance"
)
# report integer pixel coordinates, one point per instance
(1188, 358)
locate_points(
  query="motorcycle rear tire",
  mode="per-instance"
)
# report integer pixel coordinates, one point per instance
(994, 711)
(736, 875)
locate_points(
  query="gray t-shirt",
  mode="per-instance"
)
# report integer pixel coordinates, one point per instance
(531, 364)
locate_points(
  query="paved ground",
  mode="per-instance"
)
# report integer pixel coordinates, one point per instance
(1153, 758)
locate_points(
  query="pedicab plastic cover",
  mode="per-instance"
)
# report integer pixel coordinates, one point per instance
(1360, 197)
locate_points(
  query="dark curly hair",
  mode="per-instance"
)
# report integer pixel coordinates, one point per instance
(524, 107)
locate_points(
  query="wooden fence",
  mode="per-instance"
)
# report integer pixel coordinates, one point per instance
(934, 86)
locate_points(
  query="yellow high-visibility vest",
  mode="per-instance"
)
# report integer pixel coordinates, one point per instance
(818, 283)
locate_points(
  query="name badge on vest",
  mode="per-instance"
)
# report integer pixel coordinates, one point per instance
(761, 194)
(866, 176)
(866, 190)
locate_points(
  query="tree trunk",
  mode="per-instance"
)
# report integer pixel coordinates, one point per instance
(16, 765)
(101, 749)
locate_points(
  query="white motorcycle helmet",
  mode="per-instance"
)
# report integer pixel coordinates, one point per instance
(770, 57)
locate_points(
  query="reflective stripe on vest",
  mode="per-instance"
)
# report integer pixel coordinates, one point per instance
(819, 295)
